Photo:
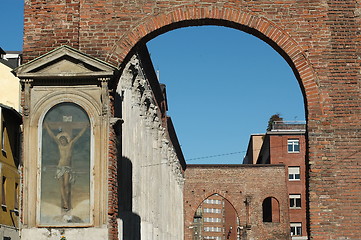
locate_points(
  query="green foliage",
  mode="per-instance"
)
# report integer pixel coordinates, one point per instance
(273, 118)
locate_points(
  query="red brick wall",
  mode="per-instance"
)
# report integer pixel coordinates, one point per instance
(320, 39)
(49, 24)
(230, 218)
(236, 183)
(112, 181)
(279, 155)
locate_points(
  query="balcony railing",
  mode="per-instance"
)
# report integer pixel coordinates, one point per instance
(289, 126)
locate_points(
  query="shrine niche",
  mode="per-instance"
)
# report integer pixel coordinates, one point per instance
(65, 166)
(66, 137)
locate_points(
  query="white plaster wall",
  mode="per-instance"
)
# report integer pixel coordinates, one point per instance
(6, 231)
(157, 177)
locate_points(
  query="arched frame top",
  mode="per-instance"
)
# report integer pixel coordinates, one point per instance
(81, 99)
(234, 17)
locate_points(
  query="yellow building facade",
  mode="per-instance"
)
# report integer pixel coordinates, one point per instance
(10, 121)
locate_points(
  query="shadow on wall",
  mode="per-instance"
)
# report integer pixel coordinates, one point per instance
(129, 224)
(129, 220)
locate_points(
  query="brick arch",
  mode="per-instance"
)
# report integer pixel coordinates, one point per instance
(200, 199)
(234, 17)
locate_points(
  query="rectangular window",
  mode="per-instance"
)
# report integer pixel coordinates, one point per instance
(212, 210)
(212, 201)
(16, 201)
(296, 229)
(293, 145)
(294, 173)
(3, 136)
(212, 229)
(3, 192)
(16, 152)
(295, 201)
(212, 238)
(197, 219)
(212, 219)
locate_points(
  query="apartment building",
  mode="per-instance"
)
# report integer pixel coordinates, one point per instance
(286, 144)
(10, 121)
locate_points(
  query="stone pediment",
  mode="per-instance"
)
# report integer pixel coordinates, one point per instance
(64, 62)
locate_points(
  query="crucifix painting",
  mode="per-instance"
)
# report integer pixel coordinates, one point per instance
(65, 165)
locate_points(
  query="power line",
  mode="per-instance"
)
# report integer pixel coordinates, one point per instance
(227, 154)
(213, 156)
(231, 153)
(210, 156)
(192, 159)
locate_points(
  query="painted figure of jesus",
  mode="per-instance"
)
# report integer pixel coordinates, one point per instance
(64, 172)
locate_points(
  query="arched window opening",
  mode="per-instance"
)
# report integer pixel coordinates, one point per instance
(215, 218)
(271, 210)
(65, 166)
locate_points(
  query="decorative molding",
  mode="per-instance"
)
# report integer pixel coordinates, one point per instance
(27, 85)
(64, 63)
(104, 94)
(143, 103)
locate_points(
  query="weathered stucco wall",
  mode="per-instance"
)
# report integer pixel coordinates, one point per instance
(152, 180)
(9, 95)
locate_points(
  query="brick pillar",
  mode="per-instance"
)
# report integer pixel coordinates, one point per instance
(112, 180)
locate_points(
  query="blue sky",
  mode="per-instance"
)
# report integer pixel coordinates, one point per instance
(11, 22)
(222, 84)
